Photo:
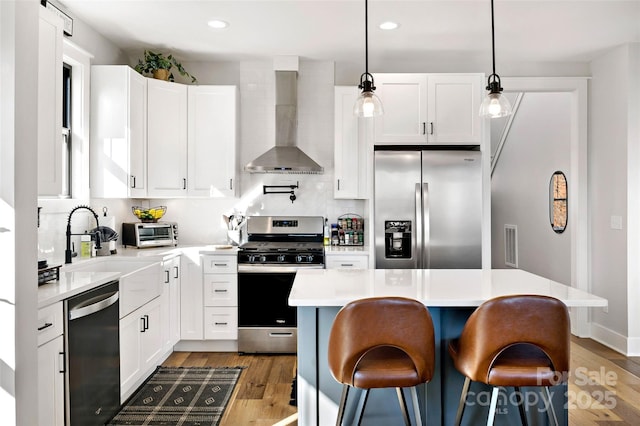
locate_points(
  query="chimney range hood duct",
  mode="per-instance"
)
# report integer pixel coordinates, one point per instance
(285, 157)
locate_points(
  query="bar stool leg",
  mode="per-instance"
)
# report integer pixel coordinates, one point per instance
(494, 403)
(403, 406)
(550, 411)
(416, 407)
(343, 402)
(521, 409)
(362, 404)
(463, 400)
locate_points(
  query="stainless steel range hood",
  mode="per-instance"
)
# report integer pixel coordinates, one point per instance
(285, 157)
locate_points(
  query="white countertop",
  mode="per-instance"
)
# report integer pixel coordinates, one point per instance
(72, 283)
(433, 287)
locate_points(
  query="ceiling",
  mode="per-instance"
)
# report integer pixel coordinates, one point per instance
(566, 31)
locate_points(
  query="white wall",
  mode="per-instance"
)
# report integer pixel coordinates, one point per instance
(537, 146)
(608, 185)
(614, 185)
(18, 186)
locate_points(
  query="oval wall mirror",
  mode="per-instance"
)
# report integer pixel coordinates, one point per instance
(558, 202)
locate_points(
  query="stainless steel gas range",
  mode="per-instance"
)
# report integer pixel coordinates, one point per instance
(276, 247)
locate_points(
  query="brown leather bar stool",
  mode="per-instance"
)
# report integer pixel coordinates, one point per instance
(384, 342)
(520, 340)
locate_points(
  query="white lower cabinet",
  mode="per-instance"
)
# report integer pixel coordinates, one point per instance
(170, 302)
(347, 261)
(191, 307)
(51, 366)
(220, 323)
(140, 345)
(220, 283)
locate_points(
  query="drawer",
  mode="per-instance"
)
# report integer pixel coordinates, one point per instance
(220, 289)
(221, 323)
(213, 264)
(50, 323)
(347, 262)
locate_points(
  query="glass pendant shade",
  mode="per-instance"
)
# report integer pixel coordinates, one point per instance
(495, 105)
(367, 105)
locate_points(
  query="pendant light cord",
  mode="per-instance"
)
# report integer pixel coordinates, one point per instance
(366, 36)
(493, 41)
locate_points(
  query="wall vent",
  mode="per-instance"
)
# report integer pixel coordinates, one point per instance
(511, 245)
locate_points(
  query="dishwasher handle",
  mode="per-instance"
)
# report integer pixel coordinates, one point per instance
(93, 305)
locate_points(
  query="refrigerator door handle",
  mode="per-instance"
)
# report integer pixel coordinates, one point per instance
(426, 255)
(417, 241)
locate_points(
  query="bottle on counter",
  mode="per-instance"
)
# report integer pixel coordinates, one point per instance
(327, 237)
(335, 240)
(86, 246)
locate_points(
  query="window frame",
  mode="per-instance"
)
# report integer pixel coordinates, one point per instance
(80, 62)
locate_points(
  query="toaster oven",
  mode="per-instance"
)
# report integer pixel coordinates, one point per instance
(142, 235)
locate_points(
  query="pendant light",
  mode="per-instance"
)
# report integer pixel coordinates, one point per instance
(367, 104)
(495, 104)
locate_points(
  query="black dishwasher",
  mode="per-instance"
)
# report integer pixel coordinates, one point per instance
(92, 344)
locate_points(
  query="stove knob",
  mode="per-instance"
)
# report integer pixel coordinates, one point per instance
(281, 258)
(299, 259)
(252, 258)
(310, 258)
(263, 258)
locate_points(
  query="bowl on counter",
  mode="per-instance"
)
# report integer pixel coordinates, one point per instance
(152, 214)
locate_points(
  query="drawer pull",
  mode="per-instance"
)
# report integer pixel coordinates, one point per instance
(46, 325)
(280, 334)
(221, 323)
(217, 290)
(61, 361)
(221, 264)
(346, 264)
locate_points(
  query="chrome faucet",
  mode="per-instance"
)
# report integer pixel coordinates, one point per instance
(67, 252)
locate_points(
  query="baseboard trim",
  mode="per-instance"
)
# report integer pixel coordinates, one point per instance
(206, 346)
(610, 338)
(634, 346)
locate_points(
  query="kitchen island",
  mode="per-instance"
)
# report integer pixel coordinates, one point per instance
(451, 296)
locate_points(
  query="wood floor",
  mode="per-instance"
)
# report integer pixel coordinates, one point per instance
(604, 386)
(263, 392)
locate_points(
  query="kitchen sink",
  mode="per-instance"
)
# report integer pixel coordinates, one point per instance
(140, 282)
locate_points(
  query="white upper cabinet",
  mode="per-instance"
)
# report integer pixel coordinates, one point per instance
(429, 109)
(118, 132)
(166, 138)
(50, 143)
(212, 136)
(352, 148)
(453, 108)
(404, 102)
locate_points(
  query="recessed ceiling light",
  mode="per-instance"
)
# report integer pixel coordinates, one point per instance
(388, 25)
(217, 24)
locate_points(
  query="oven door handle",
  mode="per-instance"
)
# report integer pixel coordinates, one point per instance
(256, 269)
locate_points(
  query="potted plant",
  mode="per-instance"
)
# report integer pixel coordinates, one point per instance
(160, 66)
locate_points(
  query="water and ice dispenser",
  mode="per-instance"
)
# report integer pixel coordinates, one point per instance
(397, 239)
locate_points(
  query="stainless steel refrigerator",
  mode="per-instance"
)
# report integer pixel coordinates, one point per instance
(428, 209)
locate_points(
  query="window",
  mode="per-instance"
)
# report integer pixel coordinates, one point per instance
(75, 118)
(67, 132)
(558, 202)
